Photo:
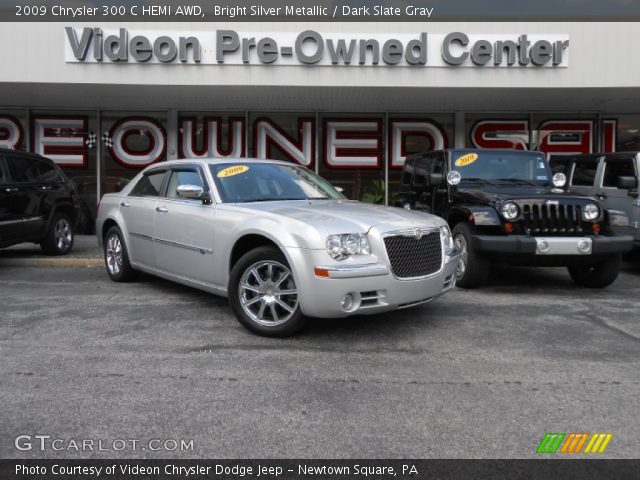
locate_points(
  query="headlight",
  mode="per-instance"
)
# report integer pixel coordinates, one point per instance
(510, 211)
(346, 244)
(590, 212)
(447, 238)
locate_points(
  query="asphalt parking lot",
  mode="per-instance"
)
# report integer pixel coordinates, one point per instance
(478, 374)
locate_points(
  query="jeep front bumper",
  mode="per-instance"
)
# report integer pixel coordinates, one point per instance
(546, 246)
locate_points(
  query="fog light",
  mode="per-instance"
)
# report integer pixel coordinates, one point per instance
(584, 246)
(347, 302)
(543, 246)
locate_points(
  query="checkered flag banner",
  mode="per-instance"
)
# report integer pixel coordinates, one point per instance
(106, 139)
(91, 140)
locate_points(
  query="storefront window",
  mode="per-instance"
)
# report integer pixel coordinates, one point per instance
(628, 133)
(414, 134)
(130, 142)
(351, 152)
(211, 134)
(70, 139)
(13, 129)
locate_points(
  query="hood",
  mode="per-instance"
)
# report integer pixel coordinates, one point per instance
(490, 194)
(347, 216)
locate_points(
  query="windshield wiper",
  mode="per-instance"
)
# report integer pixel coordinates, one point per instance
(516, 180)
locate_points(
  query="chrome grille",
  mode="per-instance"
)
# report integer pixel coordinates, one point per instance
(558, 219)
(413, 257)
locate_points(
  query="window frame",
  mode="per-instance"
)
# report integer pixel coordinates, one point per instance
(163, 185)
(186, 167)
(617, 157)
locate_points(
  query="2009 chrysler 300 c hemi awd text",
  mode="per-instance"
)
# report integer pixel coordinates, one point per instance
(278, 240)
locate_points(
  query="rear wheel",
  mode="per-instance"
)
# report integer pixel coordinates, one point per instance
(263, 294)
(59, 237)
(473, 268)
(116, 257)
(597, 275)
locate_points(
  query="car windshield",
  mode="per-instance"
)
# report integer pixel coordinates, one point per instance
(492, 167)
(264, 182)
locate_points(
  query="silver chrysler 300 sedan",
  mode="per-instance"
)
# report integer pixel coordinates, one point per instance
(280, 242)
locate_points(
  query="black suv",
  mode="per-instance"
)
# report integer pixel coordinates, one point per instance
(505, 206)
(37, 203)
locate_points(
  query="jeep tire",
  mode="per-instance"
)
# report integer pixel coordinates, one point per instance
(59, 237)
(597, 275)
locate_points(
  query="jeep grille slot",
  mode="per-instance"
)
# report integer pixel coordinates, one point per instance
(411, 257)
(551, 218)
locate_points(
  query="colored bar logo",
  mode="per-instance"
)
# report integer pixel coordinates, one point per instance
(574, 442)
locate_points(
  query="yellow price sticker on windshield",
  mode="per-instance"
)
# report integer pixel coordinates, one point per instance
(467, 159)
(231, 171)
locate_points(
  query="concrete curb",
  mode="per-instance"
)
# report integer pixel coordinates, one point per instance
(51, 262)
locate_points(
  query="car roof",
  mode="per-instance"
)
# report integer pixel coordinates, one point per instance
(219, 161)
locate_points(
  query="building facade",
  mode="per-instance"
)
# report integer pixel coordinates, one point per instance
(348, 100)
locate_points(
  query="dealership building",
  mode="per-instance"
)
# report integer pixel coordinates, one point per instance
(349, 100)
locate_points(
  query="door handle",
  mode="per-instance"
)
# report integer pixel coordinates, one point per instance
(46, 187)
(125, 204)
(11, 189)
(161, 209)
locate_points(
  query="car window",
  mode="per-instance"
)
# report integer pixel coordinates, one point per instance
(408, 171)
(584, 172)
(149, 185)
(183, 177)
(421, 171)
(560, 164)
(616, 167)
(22, 170)
(47, 173)
(262, 182)
(3, 178)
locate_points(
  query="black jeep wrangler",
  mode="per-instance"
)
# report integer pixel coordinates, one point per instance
(506, 206)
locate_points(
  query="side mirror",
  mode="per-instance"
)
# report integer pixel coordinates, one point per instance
(627, 183)
(435, 179)
(339, 189)
(194, 192)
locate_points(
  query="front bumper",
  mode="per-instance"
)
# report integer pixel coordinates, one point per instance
(567, 246)
(372, 286)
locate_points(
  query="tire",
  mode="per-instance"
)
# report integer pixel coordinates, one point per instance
(597, 275)
(116, 257)
(473, 268)
(59, 238)
(255, 284)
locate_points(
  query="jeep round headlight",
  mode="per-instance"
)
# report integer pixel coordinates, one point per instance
(590, 212)
(510, 211)
(344, 245)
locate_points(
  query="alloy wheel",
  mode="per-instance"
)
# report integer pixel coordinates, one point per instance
(114, 254)
(63, 234)
(268, 293)
(461, 244)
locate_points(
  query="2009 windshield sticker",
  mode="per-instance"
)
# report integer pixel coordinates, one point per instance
(467, 159)
(231, 171)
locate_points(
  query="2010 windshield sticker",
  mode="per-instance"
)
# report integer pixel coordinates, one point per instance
(231, 171)
(467, 159)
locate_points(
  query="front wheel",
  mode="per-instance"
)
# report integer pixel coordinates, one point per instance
(597, 275)
(59, 237)
(472, 268)
(263, 294)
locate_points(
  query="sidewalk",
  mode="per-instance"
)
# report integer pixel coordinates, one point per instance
(85, 252)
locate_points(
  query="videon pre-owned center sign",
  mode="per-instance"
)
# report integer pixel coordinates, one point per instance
(91, 45)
